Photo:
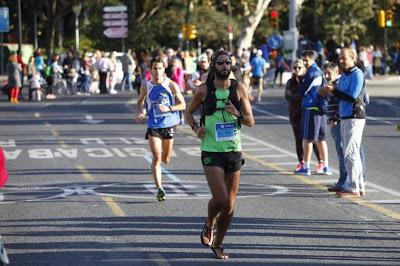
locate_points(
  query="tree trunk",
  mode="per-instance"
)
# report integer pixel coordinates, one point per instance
(251, 22)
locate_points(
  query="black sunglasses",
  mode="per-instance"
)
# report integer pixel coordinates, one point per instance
(296, 67)
(220, 63)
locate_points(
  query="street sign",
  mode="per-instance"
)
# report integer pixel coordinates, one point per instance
(120, 8)
(114, 23)
(4, 19)
(121, 15)
(120, 32)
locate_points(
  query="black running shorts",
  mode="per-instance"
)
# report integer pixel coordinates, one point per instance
(229, 161)
(162, 133)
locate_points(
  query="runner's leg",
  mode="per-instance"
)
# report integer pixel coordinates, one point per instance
(224, 219)
(167, 145)
(155, 144)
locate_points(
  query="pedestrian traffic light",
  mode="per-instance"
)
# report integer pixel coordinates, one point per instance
(274, 17)
(381, 19)
(389, 18)
(192, 32)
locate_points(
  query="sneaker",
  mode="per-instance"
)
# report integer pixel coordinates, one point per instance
(299, 166)
(160, 194)
(303, 171)
(319, 169)
(327, 171)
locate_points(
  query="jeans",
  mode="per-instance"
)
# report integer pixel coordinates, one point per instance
(127, 80)
(337, 138)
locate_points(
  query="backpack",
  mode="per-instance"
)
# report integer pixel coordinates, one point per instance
(209, 105)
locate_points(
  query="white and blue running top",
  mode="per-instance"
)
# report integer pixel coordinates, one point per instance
(160, 94)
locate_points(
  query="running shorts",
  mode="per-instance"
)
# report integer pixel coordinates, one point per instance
(229, 161)
(162, 133)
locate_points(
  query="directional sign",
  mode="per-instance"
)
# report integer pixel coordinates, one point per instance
(121, 32)
(4, 19)
(120, 8)
(121, 15)
(113, 23)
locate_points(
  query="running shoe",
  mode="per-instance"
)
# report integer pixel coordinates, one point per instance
(327, 171)
(319, 169)
(299, 166)
(303, 171)
(160, 194)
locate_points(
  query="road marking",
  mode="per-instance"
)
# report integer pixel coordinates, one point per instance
(379, 120)
(158, 259)
(116, 209)
(63, 144)
(163, 170)
(84, 172)
(114, 206)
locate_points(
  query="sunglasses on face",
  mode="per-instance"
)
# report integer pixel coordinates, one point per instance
(227, 62)
(297, 67)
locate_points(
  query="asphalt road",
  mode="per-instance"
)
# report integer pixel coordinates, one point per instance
(80, 190)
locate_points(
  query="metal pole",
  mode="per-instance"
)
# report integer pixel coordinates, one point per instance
(1, 54)
(19, 28)
(77, 32)
(35, 39)
(187, 20)
(292, 26)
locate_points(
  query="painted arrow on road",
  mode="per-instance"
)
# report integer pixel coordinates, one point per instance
(90, 120)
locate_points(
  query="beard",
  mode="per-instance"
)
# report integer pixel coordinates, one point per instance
(222, 75)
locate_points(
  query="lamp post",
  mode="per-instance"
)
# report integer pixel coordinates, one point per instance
(77, 10)
(19, 28)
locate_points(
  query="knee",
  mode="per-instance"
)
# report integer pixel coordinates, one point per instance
(166, 160)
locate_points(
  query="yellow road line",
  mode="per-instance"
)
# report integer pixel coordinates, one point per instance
(305, 180)
(84, 172)
(114, 206)
(63, 144)
(116, 209)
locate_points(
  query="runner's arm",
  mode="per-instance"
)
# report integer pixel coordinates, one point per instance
(197, 99)
(180, 103)
(247, 118)
(139, 105)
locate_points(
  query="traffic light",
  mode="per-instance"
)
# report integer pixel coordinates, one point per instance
(389, 18)
(274, 17)
(381, 19)
(189, 32)
(192, 32)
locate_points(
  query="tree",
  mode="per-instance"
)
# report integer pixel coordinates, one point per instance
(344, 19)
(251, 19)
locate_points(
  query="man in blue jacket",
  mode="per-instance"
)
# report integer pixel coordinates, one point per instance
(350, 91)
(313, 121)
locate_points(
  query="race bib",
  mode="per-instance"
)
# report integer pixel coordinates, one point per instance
(225, 131)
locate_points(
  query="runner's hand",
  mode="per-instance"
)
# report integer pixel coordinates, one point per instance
(230, 108)
(139, 118)
(201, 132)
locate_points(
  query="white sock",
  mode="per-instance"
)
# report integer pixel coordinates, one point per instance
(306, 164)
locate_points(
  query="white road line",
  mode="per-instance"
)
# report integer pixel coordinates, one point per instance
(379, 120)
(269, 113)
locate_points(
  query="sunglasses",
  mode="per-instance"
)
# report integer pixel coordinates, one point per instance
(297, 67)
(220, 63)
